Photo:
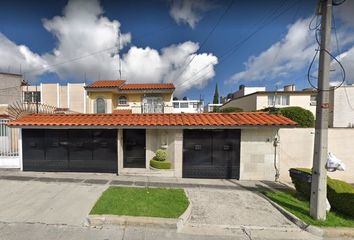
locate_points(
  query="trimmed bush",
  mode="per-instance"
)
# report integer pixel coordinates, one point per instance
(339, 193)
(300, 115)
(301, 178)
(160, 164)
(230, 109)
(303, 117)
(161, 155)
(341, 196)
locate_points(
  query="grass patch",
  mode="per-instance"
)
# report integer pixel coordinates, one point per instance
(149, 202)
(301, 208)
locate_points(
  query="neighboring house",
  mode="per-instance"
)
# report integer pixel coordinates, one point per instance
(188, 106)
(211, 106)
(114, 96)
(341, 111)
(251, 99)
(71, 96)
(10, 90)
(205, 145)
(10, 93)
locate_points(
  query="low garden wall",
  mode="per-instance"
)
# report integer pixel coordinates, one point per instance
(296, 150)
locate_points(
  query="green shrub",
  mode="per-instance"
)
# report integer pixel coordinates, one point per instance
(230, 109)
(161, 155)
(339, 193)
(341, 196)
(302, 186)
(300, 115)
(160, 164)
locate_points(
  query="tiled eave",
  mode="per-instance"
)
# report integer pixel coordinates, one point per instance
(201, 120)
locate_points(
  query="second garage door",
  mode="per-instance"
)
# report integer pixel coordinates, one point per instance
(81, 150)
(211, 153)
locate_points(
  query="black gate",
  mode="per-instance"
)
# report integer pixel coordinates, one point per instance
(134, 148)
(81, 150)
(211, 153)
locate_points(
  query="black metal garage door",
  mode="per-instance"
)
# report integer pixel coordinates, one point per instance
(81, 150)
(211, 153)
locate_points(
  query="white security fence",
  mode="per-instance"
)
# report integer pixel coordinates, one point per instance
(9, 149)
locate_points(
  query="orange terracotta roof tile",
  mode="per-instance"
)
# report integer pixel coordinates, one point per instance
(146, 86)
(154, 120)
(106, 84)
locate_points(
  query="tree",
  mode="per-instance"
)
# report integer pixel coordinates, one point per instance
(216, 94)
(300, 115)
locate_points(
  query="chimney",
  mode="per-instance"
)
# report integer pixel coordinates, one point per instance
(289, 88)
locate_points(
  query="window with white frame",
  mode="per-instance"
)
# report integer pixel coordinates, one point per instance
(32, 97)
(278, 100)
(184, 105)
(122, 100)
(175, 105)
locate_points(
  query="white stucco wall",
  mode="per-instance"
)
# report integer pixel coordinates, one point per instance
(257, 154)
(342, 109)
(247, 103)
(296, 150)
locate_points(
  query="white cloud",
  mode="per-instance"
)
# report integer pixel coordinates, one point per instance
(172, 64)
(14, 58)
(290, 54)
(83, 30)
(80, 31)
(189, 11)
(347, 60)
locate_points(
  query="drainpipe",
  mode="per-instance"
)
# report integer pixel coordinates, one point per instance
(276, 142)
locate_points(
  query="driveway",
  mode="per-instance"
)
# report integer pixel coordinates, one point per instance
(49, 203)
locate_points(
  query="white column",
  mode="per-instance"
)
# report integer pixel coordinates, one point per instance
(120, 150)
(41, 93)
(20, 153)
(58, 96)
(68, 95)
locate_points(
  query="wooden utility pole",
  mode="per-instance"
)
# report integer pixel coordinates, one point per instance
(319, 173)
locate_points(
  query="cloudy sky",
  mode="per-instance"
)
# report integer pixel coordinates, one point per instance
(192, 43)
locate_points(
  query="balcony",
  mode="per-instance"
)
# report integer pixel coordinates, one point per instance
(152, 108)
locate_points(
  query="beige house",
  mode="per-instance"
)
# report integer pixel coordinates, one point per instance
(71, 96)
(199, 145)
(251, 99)
(117, 96)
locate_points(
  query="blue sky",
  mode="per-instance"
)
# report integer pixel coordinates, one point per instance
(168, 41)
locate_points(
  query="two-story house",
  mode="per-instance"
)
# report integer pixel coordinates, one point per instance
(115, 96)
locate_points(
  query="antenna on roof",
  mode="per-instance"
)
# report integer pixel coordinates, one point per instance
(120, 62)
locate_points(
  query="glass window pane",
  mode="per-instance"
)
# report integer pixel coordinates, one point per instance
(184, 105)
(176, 105)
(100, 105)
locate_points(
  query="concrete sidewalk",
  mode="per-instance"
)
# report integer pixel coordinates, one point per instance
(113, 179)
(222, 208)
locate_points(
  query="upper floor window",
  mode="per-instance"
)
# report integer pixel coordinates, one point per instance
(313, 100)
(122, 100)
(184, 105)
(278, 100)
(31, 97)
(100, 105)
(175, 105)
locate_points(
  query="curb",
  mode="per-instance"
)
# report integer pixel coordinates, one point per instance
(298, 222)
(169, 223)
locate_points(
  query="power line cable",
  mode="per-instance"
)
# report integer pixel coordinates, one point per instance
(239, 44)
(319, 49)
(228, 7)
